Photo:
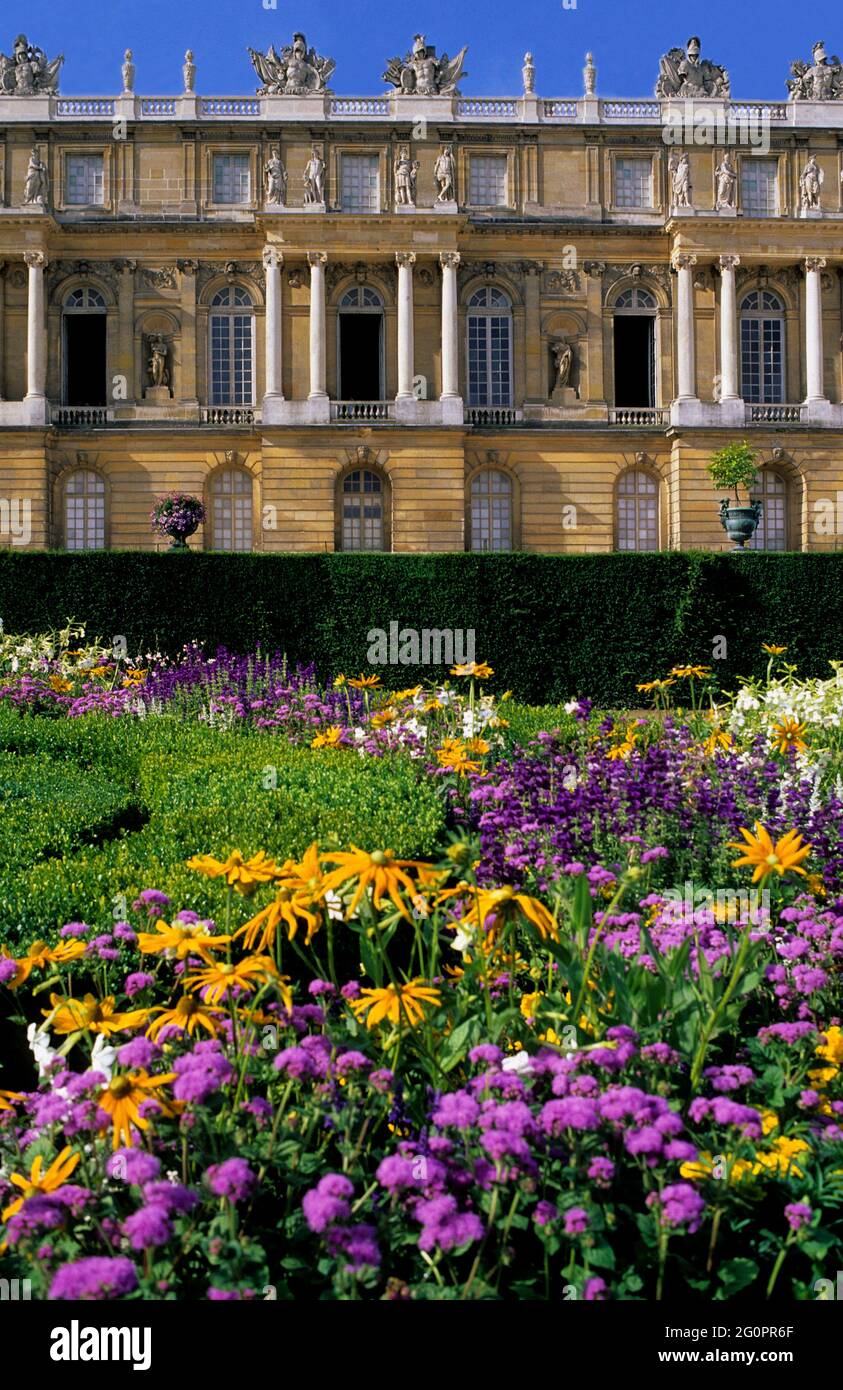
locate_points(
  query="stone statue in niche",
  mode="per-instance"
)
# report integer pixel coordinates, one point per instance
(36, 188)
(563, 392)
(725, 183)
(819, 80)
(682, 193)
(296, 71)
(314, 179)
(157, 370)
(810, 186)
(682, 73)
(445, 173)
(28, 73)
(275, 179)
(406, 173)
(422, 74)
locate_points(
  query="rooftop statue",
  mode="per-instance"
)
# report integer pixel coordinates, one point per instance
(421, 73)
(296, 71)
(27, 73)
(683, 74)
(819, 80)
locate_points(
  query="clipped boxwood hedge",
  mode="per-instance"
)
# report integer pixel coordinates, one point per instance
(553, 626)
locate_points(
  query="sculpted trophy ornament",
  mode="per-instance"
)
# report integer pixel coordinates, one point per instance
(725, 184)
(406, 174)
(819, 80)
(314, 179)
(682, 193)
(28, 73)
(296, 71)
(36, 188)
(445, 173)
(422, 74)
(810, 186)
(275, 180)
(682, 73)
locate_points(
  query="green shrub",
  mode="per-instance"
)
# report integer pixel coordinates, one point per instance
(50, 809)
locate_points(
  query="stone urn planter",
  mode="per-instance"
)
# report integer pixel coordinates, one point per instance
(177, 516)
(739, 523)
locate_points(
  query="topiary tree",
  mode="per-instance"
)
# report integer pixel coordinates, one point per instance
(736, 467)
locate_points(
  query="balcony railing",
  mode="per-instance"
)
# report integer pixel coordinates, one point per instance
(241, 416)
(80, 417)
(492, 415)
(647, 415)
(774, 414)
(359, 106)
(361, 410)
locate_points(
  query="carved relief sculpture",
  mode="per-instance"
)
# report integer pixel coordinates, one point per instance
(445, 173)
(296, 71)
(725, 183)
(421, 73)
(314, 179)
(681, 190)
(406, 173)
(682, 73)
(275, 180)
(819, 80)
(28, 73)
(36, 189)
(810, 185)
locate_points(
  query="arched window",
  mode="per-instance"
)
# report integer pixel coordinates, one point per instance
(489, 348)
(635, 347)
(231, 510)
(83, 347)
(360, 358)
(637, 511)
(491, 511)
(232, 347)
(361, 503)
(762, 347)
(771, 489)
(84, 510)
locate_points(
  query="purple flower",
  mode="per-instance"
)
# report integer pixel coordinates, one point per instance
(456, 1108)
(137, 981)
(74, 929)
(8, 969)
(595, 1290)
(148, 1227)
(97, 1277)
(133, 1166)
(680, 1205)
(575, 1221)
(798, 1214)
(545, 1212)
(140, 1052)
(233, 1179)
(575, 1112)
(444, 1226)
(327, 1203)
(170, 1196)
(358, 1243)
(350, 1062)
(295, 1062)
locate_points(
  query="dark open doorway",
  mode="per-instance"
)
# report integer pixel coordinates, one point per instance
(360, 357)
(84, 359)
(635, 383)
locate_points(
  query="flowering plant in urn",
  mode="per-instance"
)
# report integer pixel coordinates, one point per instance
(177, 515)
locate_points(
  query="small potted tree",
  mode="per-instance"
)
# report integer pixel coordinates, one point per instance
(177, 515)
(736, 467)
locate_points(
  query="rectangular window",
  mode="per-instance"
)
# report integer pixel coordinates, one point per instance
(231, 359)
(633, 183)
(762, 360)
(232, 178)
(759, 187)
(84, 180)
(487, 181)
(360, 183)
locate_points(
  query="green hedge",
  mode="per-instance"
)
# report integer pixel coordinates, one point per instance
(552, 626)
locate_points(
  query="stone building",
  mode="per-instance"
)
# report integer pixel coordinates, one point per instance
(420, 320)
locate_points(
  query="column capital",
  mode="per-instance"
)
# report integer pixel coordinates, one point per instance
(815, 262)
(186, 267)
(315, 258)
(449, 260)
(36, 260)
(124, 267)
(683, 260)
(728, 263)
(405, 260)
(272, 258)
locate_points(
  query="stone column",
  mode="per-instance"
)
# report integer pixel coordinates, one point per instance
(272, 262)
(126, 332)
(728, 329)
(317, 261)
(2, 325)
(535, 387)
(685, 349)
(188, 333)
(36, 332)
(405, 260)
(814, 265)
(449, 261)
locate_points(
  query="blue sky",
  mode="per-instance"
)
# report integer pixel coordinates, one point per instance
(755, 41)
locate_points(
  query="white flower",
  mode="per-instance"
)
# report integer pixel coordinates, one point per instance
(571, 707)
(103, 1056)
(334, 902)
(41, 1047)
(520, 1062)
(461, 941)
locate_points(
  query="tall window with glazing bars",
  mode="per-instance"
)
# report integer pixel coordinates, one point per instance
(489, 348)
(232, 347)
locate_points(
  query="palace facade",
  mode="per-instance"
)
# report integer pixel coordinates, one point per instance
(418, 321)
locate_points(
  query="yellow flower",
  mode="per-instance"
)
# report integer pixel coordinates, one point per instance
(123, 1096)
(40, 956)
(300, 888)
(397, 1006)
(530, 1004)
(789, 734)
(479, 746)
(331, 738)
(816, 886)
(480, 669)
(187, 1015)
(832, 1048)
(59, 684)
(384, 717)
(773, 651)
(6, 1097)
(506, 905)
(90, 1015)
(620, 751)
(718, 738)
(379, 871)
(38, 1183)
(691, 672)
(362, 682)
(182, 939)
(401, 695)
(242, 874)
(339, 681)
(99, 672)
(726, 1164)
(218, 979)
(778, 1159)
(453, 755)
(647, 686)
(783, 857)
